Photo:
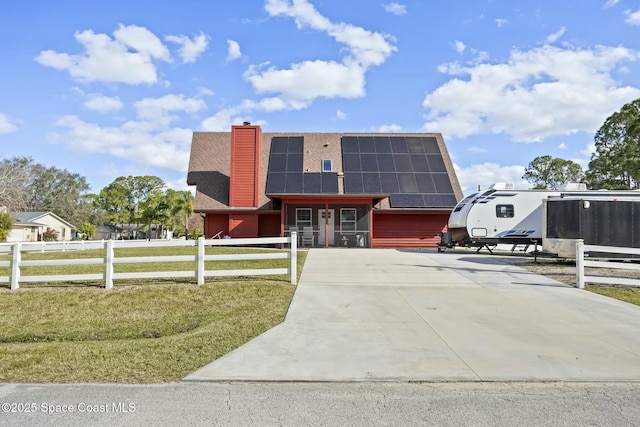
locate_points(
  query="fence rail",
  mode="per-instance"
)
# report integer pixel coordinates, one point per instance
(110, 259)
(581, 263)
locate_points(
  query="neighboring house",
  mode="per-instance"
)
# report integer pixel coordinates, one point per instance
(334, 189)
(29, 226)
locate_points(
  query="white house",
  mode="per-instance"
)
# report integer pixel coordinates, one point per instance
(29, 226)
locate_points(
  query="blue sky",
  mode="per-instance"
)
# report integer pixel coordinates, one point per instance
(106, 89)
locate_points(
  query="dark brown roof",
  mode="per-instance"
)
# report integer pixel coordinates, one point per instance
(210, 163)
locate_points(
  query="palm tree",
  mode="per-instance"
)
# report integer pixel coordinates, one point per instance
(181, 203)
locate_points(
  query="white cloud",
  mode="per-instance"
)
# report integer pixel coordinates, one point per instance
(552, 38)
(340, 115)
(159, 110)
(633, 18)
(127, 58)
(6, 125)
(459, 46)
(103, 104)
(300, 85)
(532, 95)
(485, 174)
(562, 146)
(390, 128)
(148, 141)
(233, 51)
(610, 3)
(297, 87)
(396, 8)
(190, 48)
(501, 22)
(475, 149)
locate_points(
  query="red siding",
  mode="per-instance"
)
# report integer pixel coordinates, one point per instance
(216, 223)
(407, 230)
(243, 225)
(246, 142)
(269, 225)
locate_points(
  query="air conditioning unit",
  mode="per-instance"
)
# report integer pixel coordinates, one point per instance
(503, 186)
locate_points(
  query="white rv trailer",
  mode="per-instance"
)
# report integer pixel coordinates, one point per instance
(499, 215)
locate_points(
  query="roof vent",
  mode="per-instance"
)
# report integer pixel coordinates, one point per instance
(503, 186)
(573, 186)
(246, 124)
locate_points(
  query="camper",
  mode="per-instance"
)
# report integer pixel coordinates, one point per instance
(605, 218)
(499, 215)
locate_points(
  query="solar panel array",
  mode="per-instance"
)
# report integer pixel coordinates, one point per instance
(285, 174)
(410, 169)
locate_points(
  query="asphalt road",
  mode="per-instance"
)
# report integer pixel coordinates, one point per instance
(323, 404)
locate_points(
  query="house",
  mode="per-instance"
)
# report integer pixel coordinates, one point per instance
(30, 226)
(335, 189)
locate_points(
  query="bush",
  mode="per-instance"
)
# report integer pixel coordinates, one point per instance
(50, 235)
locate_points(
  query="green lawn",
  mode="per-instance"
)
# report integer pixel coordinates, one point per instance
(138, 332)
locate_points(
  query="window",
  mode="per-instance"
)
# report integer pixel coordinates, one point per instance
(348, 220)
(64, 232)
(504, 211)
(303, 218)
(327, 165)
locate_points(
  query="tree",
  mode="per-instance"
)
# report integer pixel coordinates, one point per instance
(155, 210)
(88, 230)
(546, 172)
(14, 176)
(181, 205)
(616, 162)
(6, 224)
(58, 191)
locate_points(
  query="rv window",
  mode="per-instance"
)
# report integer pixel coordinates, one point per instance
(504, 211)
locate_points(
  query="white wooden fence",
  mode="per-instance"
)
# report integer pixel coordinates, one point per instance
(109, 260)
(581, 263)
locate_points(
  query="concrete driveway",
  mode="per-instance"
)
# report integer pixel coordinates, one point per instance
(403, 315)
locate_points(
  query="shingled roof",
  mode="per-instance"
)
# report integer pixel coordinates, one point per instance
(210, 164)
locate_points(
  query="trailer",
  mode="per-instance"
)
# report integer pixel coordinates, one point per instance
(500, 215)
(606, 218)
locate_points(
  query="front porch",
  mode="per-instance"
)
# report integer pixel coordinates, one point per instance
(341, 224)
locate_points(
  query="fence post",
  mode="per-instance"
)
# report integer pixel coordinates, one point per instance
(580, 263)
(293, 240)
(109, 265)
(15, 266)
(200, 267)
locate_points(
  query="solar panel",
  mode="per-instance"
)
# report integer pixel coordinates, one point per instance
(294, 162)
(353, 182)
(389, 183)
(351, 162)
(414, 144)
(436, 163)
(398, 144)
(366, 144)
(419, 163)
(293, 182)
(369, 162)
(296, 144)
(330, 183)
(443, 183)
(278, 162)
(403, 162)
(408, 168)
(275, 183)
(430, 145)
(312, 183)
(425, 183)
(371, 183)
(279, 144)
(382, 143)
(350, 144)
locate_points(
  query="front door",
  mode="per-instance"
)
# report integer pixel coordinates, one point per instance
(322, 224)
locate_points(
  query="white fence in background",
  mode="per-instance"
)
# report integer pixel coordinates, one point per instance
(581, 263)
(109, 260)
